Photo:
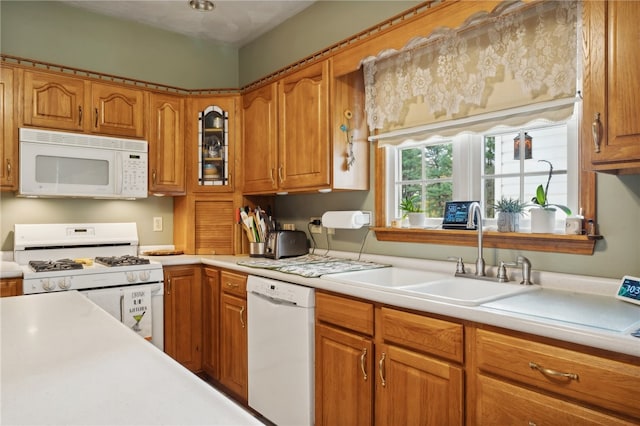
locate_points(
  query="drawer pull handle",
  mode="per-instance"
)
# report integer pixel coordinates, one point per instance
(381, 369)
(532, 423)
(554, 373)
(79, 115)
(363, 357)
(232, 285)
(242, 317)
(596, 130)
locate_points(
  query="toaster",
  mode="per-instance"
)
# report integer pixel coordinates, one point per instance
(286, 244)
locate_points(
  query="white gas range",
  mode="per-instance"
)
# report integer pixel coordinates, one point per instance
(99, 260)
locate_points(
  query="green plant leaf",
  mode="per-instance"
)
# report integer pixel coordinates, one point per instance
(541, 197)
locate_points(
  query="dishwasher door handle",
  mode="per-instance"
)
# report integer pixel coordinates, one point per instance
(273, 301)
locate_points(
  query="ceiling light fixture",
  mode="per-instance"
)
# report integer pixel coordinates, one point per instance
(201, 5)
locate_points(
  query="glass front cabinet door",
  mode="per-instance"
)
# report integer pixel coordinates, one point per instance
(212, 138)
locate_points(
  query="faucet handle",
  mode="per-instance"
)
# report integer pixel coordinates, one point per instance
(459, 264)
(502, 272)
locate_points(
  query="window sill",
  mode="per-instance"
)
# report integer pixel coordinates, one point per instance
(555, 243)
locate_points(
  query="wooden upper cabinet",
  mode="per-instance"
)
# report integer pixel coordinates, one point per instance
(260, 139)
(57, 101)
(303, 129)
(54, 101)
(9, 143)
(166, 144)
(210, 142)
(117, 110)
(611, 130)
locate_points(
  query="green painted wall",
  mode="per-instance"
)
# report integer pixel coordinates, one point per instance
(320, 25)
(54, 32)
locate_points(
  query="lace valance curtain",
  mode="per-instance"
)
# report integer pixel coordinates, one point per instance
(499, 63)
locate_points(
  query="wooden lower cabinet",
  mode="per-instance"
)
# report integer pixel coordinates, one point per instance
(183, 315)
(363, 378)
(520, 379)
(233, 334)
(10, 287)
(211, 322)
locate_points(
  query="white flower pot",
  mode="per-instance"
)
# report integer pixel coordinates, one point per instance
(416, 220)
(508, 222)
(543, 221)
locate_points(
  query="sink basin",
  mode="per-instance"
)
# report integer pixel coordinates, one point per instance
(466, 291)
(392, 277)
(431, 285)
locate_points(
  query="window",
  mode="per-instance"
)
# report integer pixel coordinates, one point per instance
(486, 167)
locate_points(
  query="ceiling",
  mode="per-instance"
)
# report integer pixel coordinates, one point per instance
(233, 22)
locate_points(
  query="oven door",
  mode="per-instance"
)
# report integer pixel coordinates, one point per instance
(117, 302)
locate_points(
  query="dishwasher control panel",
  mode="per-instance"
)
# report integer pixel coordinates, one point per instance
(278, 290)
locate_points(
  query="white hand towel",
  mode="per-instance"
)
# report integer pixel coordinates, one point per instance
(136, 310)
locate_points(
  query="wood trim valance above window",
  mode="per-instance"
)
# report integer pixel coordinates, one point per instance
(519, 55)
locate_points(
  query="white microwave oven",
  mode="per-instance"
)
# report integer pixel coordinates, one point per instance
(61, 164)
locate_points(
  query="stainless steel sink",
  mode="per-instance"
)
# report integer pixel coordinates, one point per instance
(431, 285)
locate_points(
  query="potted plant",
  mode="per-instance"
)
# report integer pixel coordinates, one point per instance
(412, 208)
(543, 217)
(509, 212)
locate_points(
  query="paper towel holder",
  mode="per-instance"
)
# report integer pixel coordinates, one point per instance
(350, 219)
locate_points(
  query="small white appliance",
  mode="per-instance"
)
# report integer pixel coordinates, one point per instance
(281, 350)
(100, 261)
(62, 164)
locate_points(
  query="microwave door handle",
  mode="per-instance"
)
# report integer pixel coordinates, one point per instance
(118, 172)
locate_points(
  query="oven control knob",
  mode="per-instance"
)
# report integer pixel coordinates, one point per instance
(47, 285)
(64, 283)
(145, 275)
(131, 277)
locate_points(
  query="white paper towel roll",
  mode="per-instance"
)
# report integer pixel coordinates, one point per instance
(351, 219)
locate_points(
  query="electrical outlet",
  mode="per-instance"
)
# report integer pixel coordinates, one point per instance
(157, 223)
(315, 229)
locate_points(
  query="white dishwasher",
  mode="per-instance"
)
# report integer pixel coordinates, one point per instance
(281, 350)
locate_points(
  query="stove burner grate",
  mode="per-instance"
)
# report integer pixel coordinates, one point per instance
(54, 265)
(126, 260)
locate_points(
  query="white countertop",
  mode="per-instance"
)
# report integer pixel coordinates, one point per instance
(66, 361)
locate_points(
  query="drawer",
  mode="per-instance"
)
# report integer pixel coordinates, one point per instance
(348, 313)
(500, 403)
(234, 283)
(596, 380)
(419, 332)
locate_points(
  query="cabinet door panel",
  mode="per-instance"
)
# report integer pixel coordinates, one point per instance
(166, 144)
(54, 101)
(233, 345)
(9, 143)
(117, 110)
(260, 144)
(413, 389)
(211, 322)
(303, 102)
(344, 378)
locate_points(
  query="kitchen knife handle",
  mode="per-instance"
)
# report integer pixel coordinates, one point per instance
(381, 369)
(363, 358)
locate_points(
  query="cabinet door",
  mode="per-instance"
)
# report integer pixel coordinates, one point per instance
(202, 225)
(500, 403)
(414, 389)
(166, 144)
(344, 377)
(54, 101)
(303, 129)
(211, 129)
(10, 287)
(183, 315)
(612, 85)
(117, 110)
(9, 143)
(211, 321)
(233, 344)
(260, 140)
